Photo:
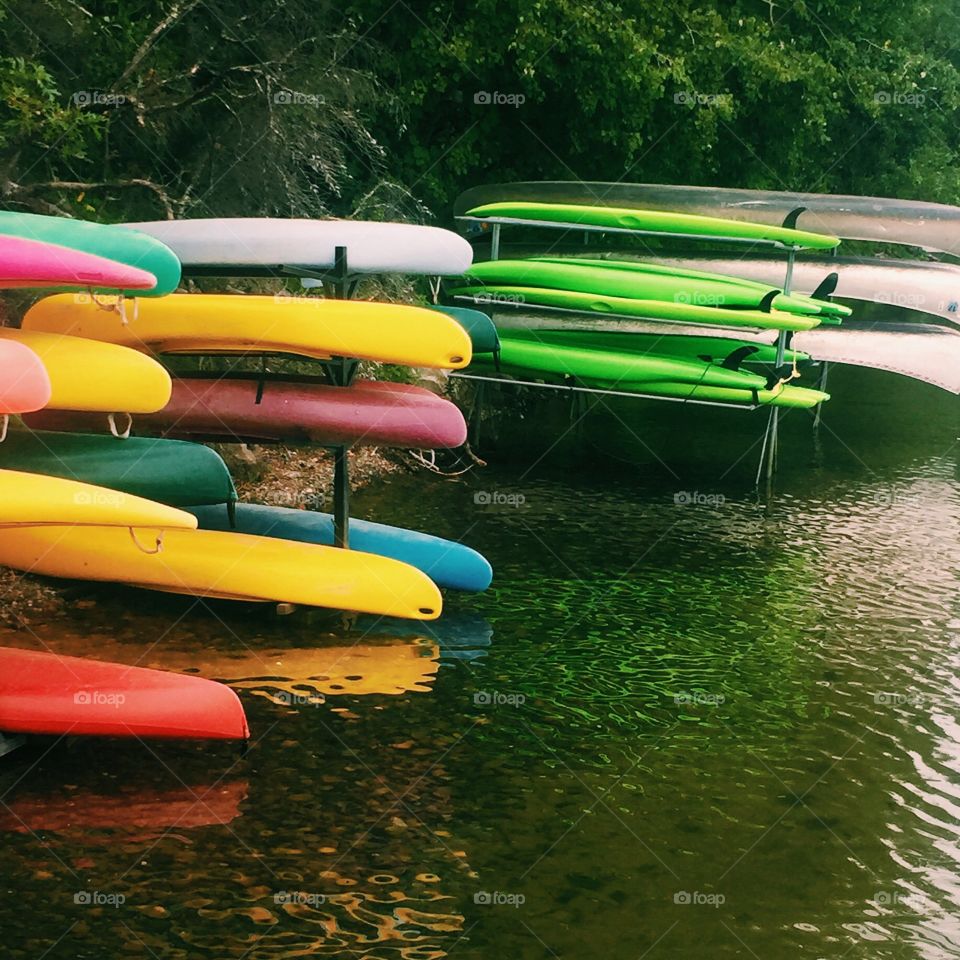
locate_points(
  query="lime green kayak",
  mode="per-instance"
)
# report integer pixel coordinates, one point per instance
(514, 296)
(785, 395)
(169, 471)
(614, 367)
(648, 221)
(115, 243)
(658, 282)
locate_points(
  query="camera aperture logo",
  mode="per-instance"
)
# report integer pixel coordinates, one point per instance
(97, 898)
(485, 98)
(685, 898)
(299, 897)
(99, 698)
(498, 898)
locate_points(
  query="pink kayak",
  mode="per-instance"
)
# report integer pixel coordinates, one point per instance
(366, 413)
(44, 693)
(24, 384)
(36, 263)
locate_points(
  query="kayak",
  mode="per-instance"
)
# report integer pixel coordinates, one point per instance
(640, 281)
(93, 376)
(257, 246)
(305, 326)
(229, 566)
(34, 263)
(717, 350)
(931, 226)
(24, 381)
(480, 328)
(168, 471)
(501, 295)
(636, 220)
(128, 247)
(279, 410)
(447, 563)
(29, 498)
(44, 693)
(786, 395)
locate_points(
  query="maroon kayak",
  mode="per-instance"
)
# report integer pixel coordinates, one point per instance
(44, 693)
(228, 410)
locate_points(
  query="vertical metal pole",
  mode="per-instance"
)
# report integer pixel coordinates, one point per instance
(495, 242)
(341, 497)
(821, 385)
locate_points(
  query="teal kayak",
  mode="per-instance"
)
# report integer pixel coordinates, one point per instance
(619, 366)
(502, 295)
(169, 471)
(480, 328)
(115, 243)
(648, 221)
(447, 563)
(685, 285)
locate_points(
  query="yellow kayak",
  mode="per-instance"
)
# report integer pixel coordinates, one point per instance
(32, 498)
(232, 566)
(305, 326)
(96, 377)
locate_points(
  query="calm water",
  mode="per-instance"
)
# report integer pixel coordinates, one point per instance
(686, 720)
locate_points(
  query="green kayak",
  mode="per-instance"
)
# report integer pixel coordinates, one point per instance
(169, 471)
(480, 328)
(702, 349)
(613, 366)
(687, 286)
(786, 395)
(518, 296)
(115, 243)
(648, 221)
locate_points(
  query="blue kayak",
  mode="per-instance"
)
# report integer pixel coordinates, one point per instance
(447, 563)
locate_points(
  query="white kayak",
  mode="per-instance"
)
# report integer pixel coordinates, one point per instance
(254, 246)
(931, 226)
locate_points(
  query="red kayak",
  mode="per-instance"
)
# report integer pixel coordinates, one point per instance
(366, 413)
(36, 263)
(24, 384)
(43, 693)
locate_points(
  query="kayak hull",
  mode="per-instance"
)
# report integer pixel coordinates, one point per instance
(24, 381)
(44, 693)
(366, 413)
(448, 564)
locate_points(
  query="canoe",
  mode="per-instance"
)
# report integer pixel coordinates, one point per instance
(44, 693)
(128, 247)
(718, 350)
(28, 498)
(24, 382)
(35, 263)
(480, 328)
(230, 566)
(280, 410)
(799, 398)
(923, 286)
(931, 226)
(305, 326)
(638, 220)
(502, 295)
(168, 471)
(98, 377)
(448, 564)
(257, 246)
(614, 366)
(641, 281)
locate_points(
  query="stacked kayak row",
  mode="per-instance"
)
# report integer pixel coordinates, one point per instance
(85, 499)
